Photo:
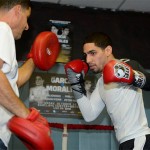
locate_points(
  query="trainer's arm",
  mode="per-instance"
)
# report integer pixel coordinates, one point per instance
(8, 99)
(25, 72)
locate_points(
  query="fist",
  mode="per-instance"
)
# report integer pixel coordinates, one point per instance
(77, 66)
(115, 71)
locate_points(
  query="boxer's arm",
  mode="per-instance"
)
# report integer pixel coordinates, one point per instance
(138, 67)
(116, 71)
(91, 108)
(9, 99)
(25, 72)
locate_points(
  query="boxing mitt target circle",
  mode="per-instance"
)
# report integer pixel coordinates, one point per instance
(45, 50)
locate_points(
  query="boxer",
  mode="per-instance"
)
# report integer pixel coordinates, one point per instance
(119, 89)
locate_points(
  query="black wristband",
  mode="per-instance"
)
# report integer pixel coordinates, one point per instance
(139, 79)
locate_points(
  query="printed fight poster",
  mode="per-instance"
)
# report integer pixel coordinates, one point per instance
(52, 94)
(63, 30)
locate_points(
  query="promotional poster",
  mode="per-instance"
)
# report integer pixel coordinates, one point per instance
(52, 95)
(63, 30)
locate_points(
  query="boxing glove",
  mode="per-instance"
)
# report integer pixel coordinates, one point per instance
(75, 71)
(115, 71)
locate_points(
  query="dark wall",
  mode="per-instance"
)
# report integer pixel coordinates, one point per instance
(129, 31)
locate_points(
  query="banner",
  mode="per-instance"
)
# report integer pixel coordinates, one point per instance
(51, 93)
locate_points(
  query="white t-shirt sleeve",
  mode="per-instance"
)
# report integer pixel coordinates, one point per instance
(7, 45)
(8, 55)
(91, 108)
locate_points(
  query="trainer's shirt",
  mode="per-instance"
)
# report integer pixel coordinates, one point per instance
(10, 69)
(124, 104)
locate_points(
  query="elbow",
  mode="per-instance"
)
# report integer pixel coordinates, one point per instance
(89, 119)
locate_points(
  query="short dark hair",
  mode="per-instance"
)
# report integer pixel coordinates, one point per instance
(100, 39)
(11, 3)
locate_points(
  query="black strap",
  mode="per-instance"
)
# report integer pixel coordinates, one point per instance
(138, 67)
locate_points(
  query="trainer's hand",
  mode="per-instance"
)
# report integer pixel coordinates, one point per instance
(45, 50)
(75, 71)
(38, 119)
(115, 71)
(33, 131)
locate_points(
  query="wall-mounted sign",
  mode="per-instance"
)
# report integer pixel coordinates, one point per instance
(52, 94)
(63, 30)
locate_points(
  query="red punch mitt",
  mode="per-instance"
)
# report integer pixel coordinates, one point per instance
(33, 131)
(45, 50)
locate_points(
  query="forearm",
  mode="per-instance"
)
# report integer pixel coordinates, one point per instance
(91, 108)
(9, 100)
(25, 72)
(137, 67)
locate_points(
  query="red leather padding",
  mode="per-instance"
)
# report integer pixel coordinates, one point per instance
(32, 136)
(45, 50)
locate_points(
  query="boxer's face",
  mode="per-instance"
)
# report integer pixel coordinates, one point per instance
(88, 85)
(96, 57)
(21, 24)
(39, 81)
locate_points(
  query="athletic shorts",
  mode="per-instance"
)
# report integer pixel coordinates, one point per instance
(139, 143)
(2, 146)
